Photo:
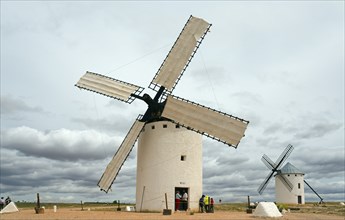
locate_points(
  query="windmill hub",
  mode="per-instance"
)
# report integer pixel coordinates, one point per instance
(155, 108)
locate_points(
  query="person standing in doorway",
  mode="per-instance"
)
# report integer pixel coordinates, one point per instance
(185, 201)
(177, 201)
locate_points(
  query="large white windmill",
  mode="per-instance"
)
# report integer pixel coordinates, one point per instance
(169, 152)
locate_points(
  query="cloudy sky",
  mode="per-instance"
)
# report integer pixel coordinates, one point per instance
(279, 65)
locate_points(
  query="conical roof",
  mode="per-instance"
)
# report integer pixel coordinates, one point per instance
(290, 169)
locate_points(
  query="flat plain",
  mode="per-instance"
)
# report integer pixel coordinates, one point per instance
(332, 211)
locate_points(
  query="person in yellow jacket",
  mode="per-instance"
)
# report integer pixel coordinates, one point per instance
(207, 203)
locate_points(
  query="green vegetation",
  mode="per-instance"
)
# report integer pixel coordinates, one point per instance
(234, 207)
(329, 208)
(281, 207)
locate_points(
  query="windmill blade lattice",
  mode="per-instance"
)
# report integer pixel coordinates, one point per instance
(120, 156)
(180, 54)
(268, 162)
(212, 123)
(264, 184)
(285, 181)
(283, 156)
(108, 86)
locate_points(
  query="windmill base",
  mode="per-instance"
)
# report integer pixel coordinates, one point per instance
(249, 211)
(166, 211)
(39, 210)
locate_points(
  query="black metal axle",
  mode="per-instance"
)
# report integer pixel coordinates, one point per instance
(155, 108)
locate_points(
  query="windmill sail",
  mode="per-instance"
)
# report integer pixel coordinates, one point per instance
(285, 181)
(263, 185)
(120, 156)
(274, 167)
(108, 86)
(217, 125)
(283, 156)
(268, 162)
(180, 54)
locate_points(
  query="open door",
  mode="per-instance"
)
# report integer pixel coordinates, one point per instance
(181, 205)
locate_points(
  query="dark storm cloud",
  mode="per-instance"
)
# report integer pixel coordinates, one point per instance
(311, 128)
(127, 178)
(320, 162)
(329, 190)
(227, 160)
(48, 175)
(29, 166)
(62, 144)
(112, 124)
(231, 173)
(317, 130)
(227, 172)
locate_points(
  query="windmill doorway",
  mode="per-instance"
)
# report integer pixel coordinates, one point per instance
(299, 199)
(181, 204)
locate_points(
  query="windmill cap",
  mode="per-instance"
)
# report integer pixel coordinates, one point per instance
(290, 169)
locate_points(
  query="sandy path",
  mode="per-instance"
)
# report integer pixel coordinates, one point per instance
(77, 214)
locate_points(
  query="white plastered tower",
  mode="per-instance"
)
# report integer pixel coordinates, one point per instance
(296, 177)
(169, 157)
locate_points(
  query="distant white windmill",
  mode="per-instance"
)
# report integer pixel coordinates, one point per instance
(289, 181)
(169, 152)
(296, 178)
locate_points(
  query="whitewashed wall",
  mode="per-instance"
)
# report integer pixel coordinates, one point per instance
(283, 195)
(160, 168)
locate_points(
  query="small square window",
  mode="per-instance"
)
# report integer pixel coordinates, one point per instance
(153, 127)
(165, 125)
(183, 157)
(177, 126)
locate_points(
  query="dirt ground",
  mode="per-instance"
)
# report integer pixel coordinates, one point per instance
(69, 213)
